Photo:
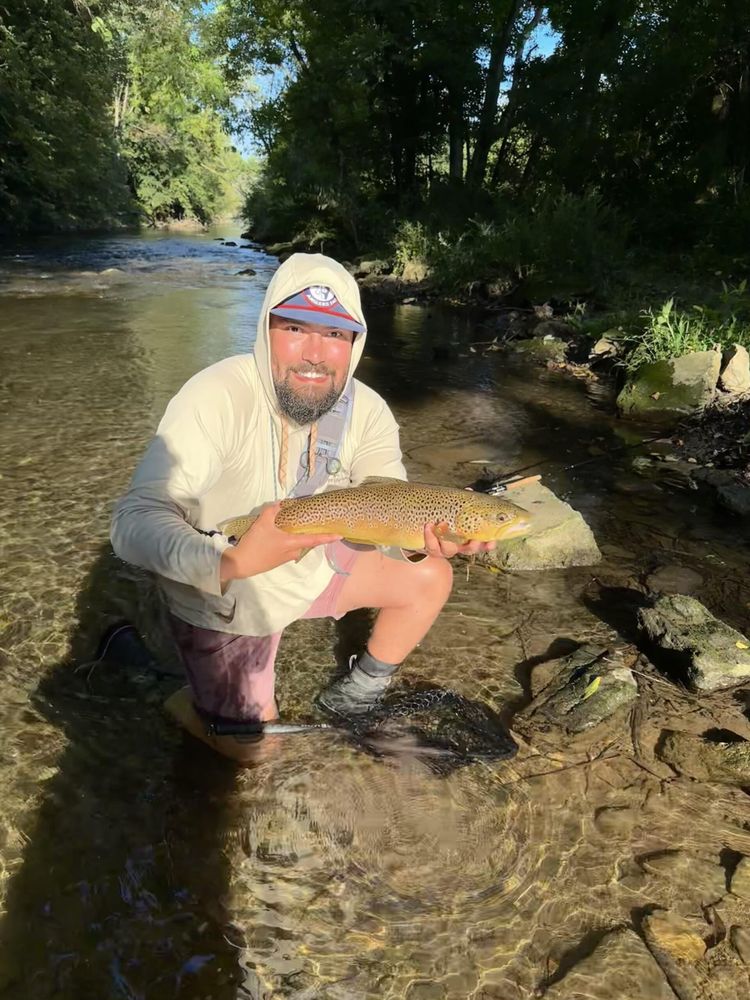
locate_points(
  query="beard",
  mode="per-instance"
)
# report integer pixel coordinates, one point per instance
(302, 407)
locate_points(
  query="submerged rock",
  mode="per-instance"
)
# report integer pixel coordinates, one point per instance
(727, 763)
(740, 884)
(620, 966)
(588, 689)
(674, 935)
(694, 877)
(559, 536)
(715, 655)
(665, 392)
(249, 271)
(615, 821)
(677, 947)
(674, 579)
(541, 348)
(740, 940)
(735, 371)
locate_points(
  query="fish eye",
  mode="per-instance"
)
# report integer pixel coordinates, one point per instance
(501, 516)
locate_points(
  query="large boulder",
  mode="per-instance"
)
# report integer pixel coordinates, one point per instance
(713, 654)
(559, 536)
(665, 392)
(735, 370)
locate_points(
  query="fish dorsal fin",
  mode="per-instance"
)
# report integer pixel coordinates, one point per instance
(372, 480)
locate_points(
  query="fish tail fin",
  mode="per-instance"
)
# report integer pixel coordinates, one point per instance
(235, 527)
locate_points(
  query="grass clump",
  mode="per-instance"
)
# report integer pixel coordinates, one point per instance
(670, 332)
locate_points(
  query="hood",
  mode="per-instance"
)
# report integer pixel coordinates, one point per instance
(297, 273)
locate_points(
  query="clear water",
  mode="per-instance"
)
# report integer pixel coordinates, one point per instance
(135, 864)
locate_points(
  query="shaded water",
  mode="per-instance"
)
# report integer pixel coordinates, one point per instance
(135, 864)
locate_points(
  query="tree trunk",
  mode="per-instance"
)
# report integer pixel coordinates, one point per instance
(456, 149)
(495, 75)
(509, 112)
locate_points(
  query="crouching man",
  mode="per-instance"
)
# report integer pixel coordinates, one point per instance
(287, 420)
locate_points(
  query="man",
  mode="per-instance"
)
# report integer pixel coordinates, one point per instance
(289, 419)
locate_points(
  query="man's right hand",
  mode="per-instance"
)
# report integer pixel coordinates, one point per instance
(264, 546)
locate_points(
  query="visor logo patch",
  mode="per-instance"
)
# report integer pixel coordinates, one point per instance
(321, 295)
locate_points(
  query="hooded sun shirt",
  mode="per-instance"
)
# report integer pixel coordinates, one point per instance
(216, 456)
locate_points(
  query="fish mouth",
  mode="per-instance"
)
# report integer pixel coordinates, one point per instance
(514, 530)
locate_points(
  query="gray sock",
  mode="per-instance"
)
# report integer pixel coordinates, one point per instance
(375, 668)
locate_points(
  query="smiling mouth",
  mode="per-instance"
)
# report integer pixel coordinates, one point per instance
(312, 377)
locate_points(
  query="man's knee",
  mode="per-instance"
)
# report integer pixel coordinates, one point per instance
(433, 576)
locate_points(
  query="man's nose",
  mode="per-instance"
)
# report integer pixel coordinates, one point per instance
(312, 348)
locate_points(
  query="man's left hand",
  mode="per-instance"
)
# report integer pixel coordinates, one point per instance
(434, 545)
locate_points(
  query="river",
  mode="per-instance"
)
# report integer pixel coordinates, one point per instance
(135, 864)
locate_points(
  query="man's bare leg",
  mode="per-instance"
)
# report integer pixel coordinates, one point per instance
(410, 596)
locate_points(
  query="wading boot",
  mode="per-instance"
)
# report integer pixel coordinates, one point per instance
(359, 690)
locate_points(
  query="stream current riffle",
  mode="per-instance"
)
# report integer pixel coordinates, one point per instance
(135, 864)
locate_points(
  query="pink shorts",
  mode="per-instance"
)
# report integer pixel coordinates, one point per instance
(232, 676)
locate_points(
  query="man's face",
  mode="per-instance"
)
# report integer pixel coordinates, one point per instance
(309, 365)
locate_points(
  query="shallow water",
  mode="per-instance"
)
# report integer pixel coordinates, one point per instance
(135, 864)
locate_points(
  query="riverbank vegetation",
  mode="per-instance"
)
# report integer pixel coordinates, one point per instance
(595, 151)
(112, 112)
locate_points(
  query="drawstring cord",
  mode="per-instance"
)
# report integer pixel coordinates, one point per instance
(284, 455)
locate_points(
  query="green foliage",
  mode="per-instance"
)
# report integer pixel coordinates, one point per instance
(169, 104)
(567, 240)
(575, 236)
(58, 156)
(412, 242)
(420, 104)
(110, 111)
(669, 333)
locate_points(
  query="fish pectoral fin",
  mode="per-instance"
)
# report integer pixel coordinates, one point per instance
(442, 530)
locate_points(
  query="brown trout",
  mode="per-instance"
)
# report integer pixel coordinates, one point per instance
(391, 512)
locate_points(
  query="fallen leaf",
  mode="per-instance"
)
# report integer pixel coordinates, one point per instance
(592, 688)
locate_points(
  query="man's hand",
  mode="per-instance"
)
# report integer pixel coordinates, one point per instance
(264, 546)
(434, 545)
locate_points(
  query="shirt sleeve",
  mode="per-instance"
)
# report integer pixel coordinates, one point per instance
(154, 525)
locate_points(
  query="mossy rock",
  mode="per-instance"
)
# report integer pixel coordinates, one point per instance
(713, 654)
(559, 535)
(542, 348)
(665, 392)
